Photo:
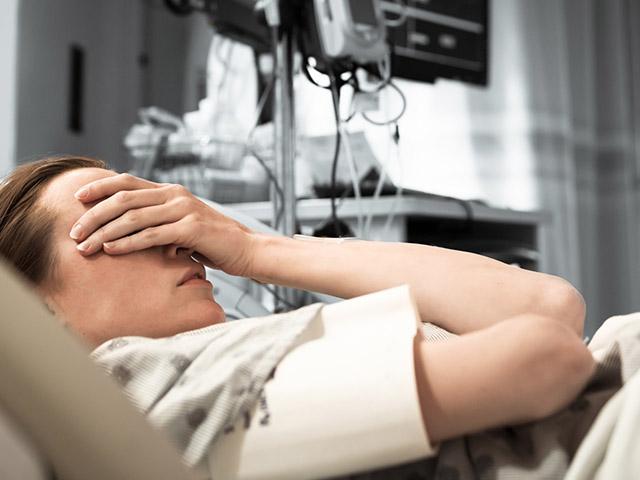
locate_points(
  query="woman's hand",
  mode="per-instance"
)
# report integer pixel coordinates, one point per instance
(133, 214)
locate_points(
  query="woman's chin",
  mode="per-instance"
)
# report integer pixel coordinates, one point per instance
(215, 312)
(219, 315)
(200, 314)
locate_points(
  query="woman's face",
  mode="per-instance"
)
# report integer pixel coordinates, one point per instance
(141, 293)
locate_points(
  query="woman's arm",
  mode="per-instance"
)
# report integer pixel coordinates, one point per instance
(519, 370)
(459, 291)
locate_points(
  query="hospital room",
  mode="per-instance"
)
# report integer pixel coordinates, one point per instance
(320, 239)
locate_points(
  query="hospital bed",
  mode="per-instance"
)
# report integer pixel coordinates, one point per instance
(58, 412)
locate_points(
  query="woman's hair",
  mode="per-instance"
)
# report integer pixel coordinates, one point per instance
(25, 224)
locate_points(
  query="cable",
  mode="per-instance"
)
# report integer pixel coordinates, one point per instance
(376, 195)
(261, 103)
(335, 96)
(396, 198)
(398, 116)
(275, 183)
(336, 82)
(354, 176)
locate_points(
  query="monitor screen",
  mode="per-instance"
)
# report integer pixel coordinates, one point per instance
(434, 39)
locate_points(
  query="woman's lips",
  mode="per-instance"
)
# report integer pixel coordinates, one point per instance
(195, 272)
(195, 281)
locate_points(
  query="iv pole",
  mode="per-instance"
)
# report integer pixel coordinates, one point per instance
(284, 131)
(284, 135)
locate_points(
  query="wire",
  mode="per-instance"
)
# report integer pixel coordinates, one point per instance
(354, 177)
(396, 198)
(261, 103)
(335, 96)
(336, 82)
(398, 116)
(376, 195)
(275, 183)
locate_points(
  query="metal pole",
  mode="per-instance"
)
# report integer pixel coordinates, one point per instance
(285, 137)
(285, 144)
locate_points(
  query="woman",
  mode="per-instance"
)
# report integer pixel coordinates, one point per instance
(115, 255)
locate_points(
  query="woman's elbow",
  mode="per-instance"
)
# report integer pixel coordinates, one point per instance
(562, 370)
(565, 304)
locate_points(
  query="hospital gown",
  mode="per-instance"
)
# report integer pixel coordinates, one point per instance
(327, 408)
(196, 384)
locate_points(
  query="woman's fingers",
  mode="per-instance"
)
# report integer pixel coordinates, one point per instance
(128, 223)
(113, 207)
(105, 187)
(167, 234)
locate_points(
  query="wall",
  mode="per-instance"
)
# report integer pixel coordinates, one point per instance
(8, 46)
(195, 69)
(165, 42)
(177, 49)
(110, 32)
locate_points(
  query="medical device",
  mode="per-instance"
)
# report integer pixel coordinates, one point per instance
(352, 29)
(439, 39)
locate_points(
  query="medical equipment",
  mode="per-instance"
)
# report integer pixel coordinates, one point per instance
(353, 29)
(356, 43)
(439, 39)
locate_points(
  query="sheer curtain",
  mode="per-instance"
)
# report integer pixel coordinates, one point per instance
(565, 90)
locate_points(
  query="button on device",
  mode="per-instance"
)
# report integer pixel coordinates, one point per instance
(446, 40)
(419, 38)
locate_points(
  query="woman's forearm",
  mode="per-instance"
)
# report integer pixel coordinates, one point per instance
(459, 291)
(519, 370)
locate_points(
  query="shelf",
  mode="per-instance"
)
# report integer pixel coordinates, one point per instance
(320, 208)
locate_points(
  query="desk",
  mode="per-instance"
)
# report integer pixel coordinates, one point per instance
(433, 221)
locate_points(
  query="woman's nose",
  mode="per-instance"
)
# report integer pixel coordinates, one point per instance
(175, 251)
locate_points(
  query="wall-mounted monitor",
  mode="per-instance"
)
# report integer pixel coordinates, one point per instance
(439, 39)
